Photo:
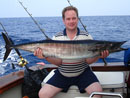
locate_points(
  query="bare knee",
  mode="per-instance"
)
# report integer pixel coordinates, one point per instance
(95, 87)
(48, 91)
(43, 94)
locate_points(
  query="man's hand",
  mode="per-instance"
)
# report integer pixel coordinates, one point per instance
(104, 54)
(39, 53)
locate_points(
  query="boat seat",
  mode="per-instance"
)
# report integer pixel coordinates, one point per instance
(111, 79)
(107, 80)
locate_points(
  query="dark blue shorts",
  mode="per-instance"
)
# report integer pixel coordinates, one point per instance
(82, 81)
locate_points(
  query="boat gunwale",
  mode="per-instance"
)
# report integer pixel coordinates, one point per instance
(18, 77)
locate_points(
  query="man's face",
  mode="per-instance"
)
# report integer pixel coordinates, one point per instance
(70, 20)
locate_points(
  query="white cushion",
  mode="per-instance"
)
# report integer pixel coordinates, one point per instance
(111, 79)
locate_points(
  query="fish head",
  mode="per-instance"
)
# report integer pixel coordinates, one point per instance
(116, 46)
(107, 45)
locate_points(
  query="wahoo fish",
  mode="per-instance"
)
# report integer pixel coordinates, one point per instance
(75, 49)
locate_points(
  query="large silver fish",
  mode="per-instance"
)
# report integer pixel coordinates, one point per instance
(67, 49)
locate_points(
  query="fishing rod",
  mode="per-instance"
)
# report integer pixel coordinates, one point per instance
(105, 63)
(23, 61)
(34, 20)
(30, 71)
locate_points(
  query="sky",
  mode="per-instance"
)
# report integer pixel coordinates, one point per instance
(47, 8)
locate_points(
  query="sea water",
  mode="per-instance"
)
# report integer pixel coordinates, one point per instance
(22, 30)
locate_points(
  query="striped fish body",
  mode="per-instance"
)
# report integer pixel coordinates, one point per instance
(72, 49)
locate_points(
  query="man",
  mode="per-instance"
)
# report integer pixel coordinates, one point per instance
(70, 72)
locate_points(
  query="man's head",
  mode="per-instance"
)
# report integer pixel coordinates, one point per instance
(69, 8)
(70, 17)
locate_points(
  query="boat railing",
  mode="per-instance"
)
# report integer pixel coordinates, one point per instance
(105, 94)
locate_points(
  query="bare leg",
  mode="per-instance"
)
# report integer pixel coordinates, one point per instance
(94, 87)
(48, 91)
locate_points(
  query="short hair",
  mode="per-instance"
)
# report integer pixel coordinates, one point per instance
(69, 8)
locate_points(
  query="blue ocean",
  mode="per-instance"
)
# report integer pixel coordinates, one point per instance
(22, 30)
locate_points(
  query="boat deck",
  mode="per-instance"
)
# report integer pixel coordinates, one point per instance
(16, 78)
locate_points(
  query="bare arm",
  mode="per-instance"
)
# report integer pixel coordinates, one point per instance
(39, 54)
(104, 54)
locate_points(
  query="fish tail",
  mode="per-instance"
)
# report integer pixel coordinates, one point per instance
(7, 46)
